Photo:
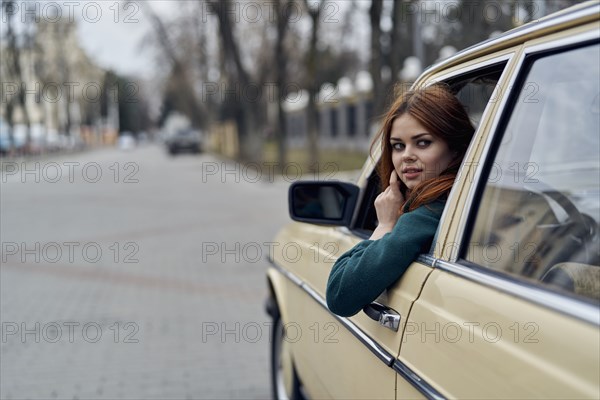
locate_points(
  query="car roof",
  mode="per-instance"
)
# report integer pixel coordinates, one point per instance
(561, 20)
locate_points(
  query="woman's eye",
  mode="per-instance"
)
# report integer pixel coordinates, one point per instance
(423, 143)
(398, 146)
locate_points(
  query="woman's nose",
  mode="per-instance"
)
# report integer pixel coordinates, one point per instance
(408, 154)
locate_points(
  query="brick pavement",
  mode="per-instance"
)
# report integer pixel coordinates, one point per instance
(172, 325)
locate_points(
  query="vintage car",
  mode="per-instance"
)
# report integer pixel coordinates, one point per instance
(506, 303)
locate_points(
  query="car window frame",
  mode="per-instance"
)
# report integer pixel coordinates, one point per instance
(366, 206)
(576, 307)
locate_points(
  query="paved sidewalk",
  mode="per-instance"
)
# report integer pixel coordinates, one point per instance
(179, 323)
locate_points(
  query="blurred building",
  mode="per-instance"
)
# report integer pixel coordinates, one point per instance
(64, 90)
(345, 115)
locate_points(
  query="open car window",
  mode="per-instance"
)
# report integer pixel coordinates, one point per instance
(474, 90)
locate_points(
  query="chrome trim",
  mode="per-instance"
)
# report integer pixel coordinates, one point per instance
(472, 190)
(515, 34)
(566, 305)
(427, 259)
(292, 277)
(563, 42)
(414, 379)
(365, 339)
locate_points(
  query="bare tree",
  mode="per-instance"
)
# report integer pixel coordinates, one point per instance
(474, 21)
(314, 10)
(181, 80)
(200, 29)
(14, 56)
(377, 62)
(402, 26)
(283, 18)
(246, 110)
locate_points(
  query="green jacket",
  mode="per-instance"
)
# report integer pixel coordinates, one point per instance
(360, 275)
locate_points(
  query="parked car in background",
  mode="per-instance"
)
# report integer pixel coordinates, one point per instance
(184, 140)
(4, 138)
(506, 302)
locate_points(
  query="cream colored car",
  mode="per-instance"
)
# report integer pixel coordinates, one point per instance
(506, 303)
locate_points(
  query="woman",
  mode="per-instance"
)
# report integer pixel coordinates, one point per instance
(424, 137)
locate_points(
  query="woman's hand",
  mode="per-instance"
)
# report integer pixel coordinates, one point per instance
(387, 206)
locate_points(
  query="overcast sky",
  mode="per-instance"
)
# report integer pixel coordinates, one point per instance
(113, 32)
(113, 36)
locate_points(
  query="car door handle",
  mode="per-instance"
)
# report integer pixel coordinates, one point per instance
(383, 314)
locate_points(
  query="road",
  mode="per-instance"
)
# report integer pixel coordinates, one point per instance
(130, 275)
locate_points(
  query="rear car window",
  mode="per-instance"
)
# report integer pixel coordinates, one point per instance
(539, 213)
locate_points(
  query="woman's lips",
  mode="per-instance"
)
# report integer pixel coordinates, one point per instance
(411, 173)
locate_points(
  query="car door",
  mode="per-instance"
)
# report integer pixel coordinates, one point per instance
(511, 307)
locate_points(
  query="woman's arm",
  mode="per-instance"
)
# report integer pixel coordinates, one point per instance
(366, 270)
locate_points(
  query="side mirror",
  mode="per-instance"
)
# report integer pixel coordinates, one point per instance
(323, 203)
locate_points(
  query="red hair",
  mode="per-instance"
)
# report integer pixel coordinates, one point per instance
(439, 111)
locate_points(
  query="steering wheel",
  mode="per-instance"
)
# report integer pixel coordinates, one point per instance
(586, 226)
(579, 230)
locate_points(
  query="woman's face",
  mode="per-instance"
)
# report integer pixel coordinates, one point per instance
(417, 155)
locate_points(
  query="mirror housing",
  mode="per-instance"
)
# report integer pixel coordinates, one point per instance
(323, 203)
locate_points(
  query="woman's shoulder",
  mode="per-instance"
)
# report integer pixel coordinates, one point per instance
(421, 223)
(433, 207)
(436, 206)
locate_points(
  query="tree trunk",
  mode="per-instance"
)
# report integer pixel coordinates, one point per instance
(14, 54)
(247, 110)
(313, 89)
(203, 66)
(399, 43)
(281, 80)
(376, 57)
(190, 106)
